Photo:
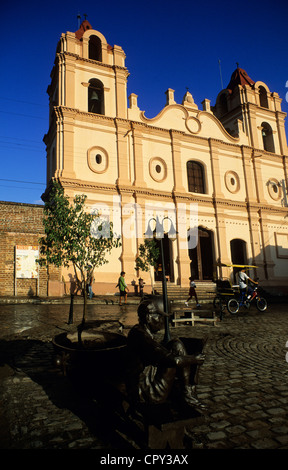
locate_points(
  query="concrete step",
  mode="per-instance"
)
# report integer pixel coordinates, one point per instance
(199, 285)
(204, 289)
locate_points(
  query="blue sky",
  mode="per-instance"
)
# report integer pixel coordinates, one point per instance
(167, 44)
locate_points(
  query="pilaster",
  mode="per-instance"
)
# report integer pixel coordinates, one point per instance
(251, 114)
(281, 132)
(138, 157)
(121, 92)
(222, 243)
(65, 159)
(215, 168)
(255, 242)
(69, 81)
(182, 259)
(251, 193)
(124, 169)
(176, 158)
(128, 224)
(258, 177)
(266, 247)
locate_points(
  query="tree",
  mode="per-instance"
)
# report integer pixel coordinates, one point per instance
(75, 237)
(148, 257)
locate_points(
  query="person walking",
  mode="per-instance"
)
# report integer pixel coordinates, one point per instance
(192, 292)
(89, 286)
(123, 289)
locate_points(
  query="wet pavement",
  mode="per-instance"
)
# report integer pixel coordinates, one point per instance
(243, 381)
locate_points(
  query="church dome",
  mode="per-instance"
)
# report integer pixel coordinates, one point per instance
(83, 27)
(239, 77)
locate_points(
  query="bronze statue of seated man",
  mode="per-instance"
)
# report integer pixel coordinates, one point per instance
(155, 369)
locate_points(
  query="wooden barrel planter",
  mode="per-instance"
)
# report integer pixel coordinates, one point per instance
(98, 353)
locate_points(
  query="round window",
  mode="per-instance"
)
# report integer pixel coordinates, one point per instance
(158, 169)
(232, 181)
(97, 159)
(274, 189)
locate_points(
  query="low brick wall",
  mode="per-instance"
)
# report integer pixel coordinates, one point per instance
(21, 224)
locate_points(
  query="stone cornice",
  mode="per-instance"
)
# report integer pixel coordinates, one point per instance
(144, 125)
(87, 186)
(192, 198)
(255, 107)
(274, 209)
(281, 113)
(258, 153)
(61, 110)
(172, 196)
(62, 55)
(227, 202)
(91, 61)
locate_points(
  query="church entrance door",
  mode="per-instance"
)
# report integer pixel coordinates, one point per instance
(201, 257)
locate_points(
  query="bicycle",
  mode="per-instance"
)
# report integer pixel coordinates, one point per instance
(234, 304)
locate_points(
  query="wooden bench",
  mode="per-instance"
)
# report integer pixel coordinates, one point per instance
(193, 317)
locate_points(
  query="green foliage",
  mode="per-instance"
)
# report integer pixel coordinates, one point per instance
(148, 255)
(74, 236)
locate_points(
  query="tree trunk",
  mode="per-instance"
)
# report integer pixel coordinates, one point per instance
(85, 304)
(70, 320)
(151, 277)
(81, 326)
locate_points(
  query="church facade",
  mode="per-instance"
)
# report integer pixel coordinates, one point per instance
(217, 175)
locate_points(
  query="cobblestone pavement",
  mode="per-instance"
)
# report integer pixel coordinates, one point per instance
(243, 381)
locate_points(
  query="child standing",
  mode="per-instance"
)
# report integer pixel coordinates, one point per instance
(192, 292)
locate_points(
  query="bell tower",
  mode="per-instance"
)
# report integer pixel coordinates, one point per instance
(250, 107)
(88, 86)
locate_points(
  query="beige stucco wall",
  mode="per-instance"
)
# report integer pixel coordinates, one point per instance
(144, 160)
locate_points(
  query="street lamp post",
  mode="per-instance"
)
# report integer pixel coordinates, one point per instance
(159, 230)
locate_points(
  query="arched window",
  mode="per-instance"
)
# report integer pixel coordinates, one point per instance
(95, 48)
(267, 136)
(195, 175)
(263, 97)
(238, 248)
(95, 96)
